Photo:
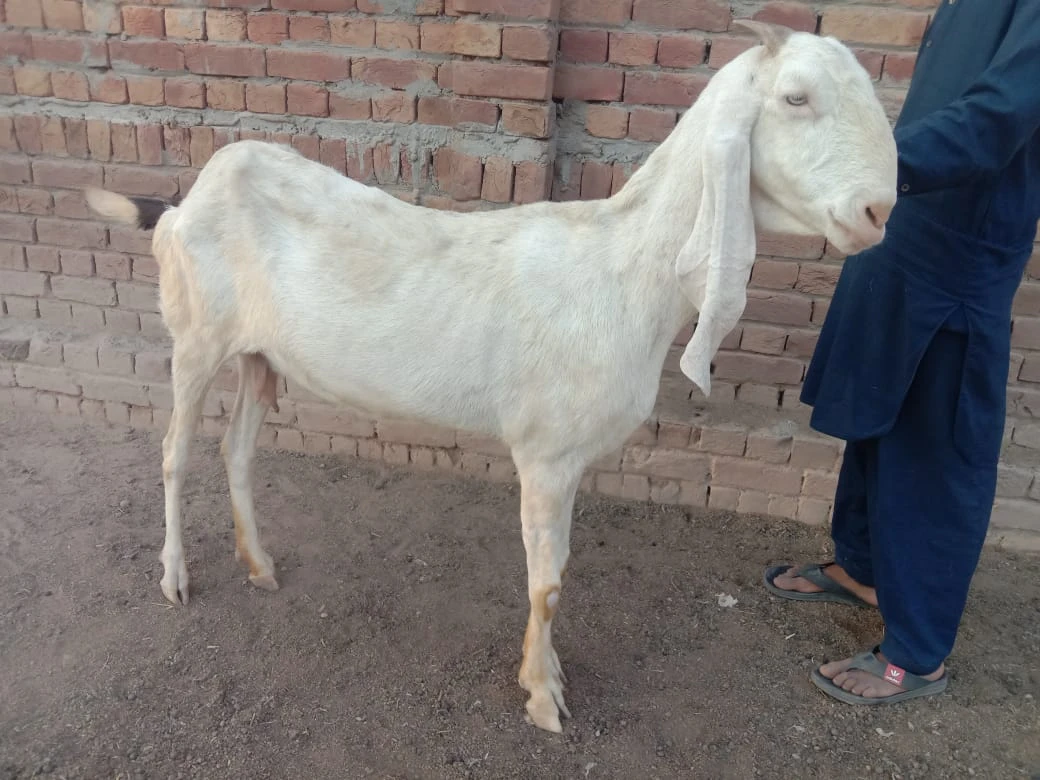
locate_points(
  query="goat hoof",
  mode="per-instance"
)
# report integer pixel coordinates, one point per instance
(265, 581)
(542, 712)
(174, 583)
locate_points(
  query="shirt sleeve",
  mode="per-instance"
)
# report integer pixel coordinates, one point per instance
(979, 133)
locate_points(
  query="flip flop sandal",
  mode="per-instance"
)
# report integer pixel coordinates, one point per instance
(912, 685)
(832, 590)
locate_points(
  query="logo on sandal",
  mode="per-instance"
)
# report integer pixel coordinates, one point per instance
(894, 675)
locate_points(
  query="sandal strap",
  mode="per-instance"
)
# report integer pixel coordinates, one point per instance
(869, 662)
(813, 572)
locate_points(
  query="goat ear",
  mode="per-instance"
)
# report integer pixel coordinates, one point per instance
(772, 36)
(714, 265)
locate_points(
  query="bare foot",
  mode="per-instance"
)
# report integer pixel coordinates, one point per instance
(790, 581)
(865, 684)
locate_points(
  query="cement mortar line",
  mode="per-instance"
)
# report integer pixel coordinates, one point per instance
(364, 132)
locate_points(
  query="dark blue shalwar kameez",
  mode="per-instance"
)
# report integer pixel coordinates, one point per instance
(912, 361)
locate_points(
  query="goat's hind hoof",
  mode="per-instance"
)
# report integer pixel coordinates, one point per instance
(264, 581)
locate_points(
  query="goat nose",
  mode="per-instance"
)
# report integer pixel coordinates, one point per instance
(878, 211)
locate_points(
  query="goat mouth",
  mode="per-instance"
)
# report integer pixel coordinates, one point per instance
(851, 239)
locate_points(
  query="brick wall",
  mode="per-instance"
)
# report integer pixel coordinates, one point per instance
(458, 104)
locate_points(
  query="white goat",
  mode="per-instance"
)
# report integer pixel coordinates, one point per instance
(544, 325)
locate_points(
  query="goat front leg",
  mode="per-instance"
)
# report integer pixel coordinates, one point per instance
(193, 368)
(546, 502)
(257, 391)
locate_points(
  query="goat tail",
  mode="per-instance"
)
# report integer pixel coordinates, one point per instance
(140, 212)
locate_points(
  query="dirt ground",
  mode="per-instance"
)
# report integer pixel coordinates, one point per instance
(392, 648)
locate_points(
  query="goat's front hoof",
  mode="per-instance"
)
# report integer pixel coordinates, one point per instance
(174, 583)
(543, 712)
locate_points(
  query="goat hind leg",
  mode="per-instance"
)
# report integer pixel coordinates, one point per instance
(193, 368)
(546, 503)
(256, 392)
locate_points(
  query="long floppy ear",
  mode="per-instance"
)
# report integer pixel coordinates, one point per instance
(714, 265)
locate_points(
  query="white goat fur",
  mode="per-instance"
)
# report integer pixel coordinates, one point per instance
(545, 325)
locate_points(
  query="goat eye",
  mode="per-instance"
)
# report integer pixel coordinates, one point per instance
(797, 100)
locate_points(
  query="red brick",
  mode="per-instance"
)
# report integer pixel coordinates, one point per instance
(71, 233)
(348, 107)
(141, 181)
(186, 93)
(415, 166)
(7, 80)
(19, 44)
(12, 257)
(765, 339)
(301, 28)
(107, 88)
(14, 170)
(35, 201)
(633, 48)
(436, 37)
(457, 174)
(187, 23)
(225, 25)
(154, 55)
(66, 48)
(225, 94)
(669, 89)
(514, 9)
(647, 124)
(332, 153)
(821, 484)
(176, 143)
(8, 140)
(498, 180)
(66, 173)
(531, 182)
(761, 368)
(393, 107)
(747, 474)
(99, 139)
(99, 292)
(709, 15)
(584, 45)
(353, 32)
(216, 59)
(265, 98)
(143, 21)
(872, 61)
(797, 16)
(307, 100)
(606, 121)
(317, 6)
(110, 265)
(456, 112)
(308, 65)
(124, 143)
(899, 66)
(24, 13)
(201, 145)
(102, 18)
(396, 74)
(866, 24)
(360, 163)
(586, 82)
(307, 145)
(324, 419)
(76, 137)
(534, 44)
(62, 14)
(615, 12)
(595, 180)
(817, 278)
(813, 453)
(32, 81)
(272, 28)
(146, 90)
(16, 228)
(397, 35)
(525, 119)
(725, 49)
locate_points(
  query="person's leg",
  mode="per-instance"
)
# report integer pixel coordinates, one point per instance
(929, 520)
(852, 568)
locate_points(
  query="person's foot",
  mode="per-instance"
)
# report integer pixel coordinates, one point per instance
(790, 581)
(868, 685)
